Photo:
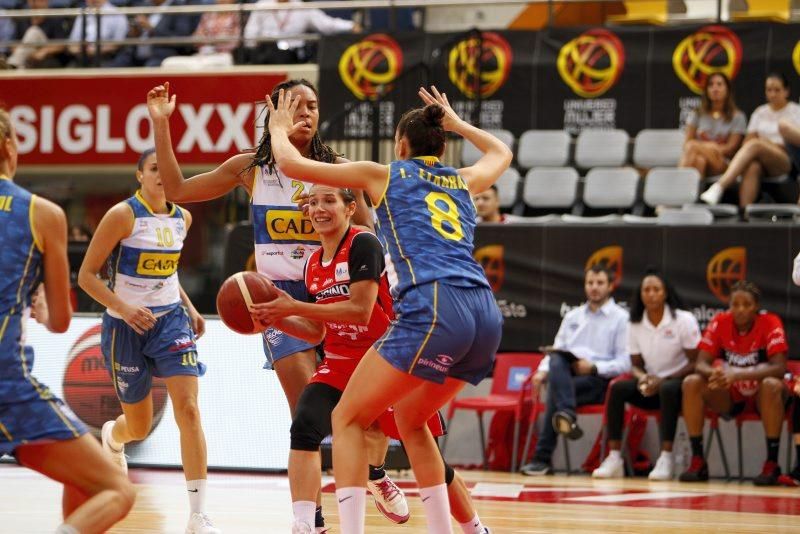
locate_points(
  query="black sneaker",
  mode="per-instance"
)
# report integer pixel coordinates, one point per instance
(565, 424)
(769, 474)
(791, 479)
(697, 472)
(537, 468)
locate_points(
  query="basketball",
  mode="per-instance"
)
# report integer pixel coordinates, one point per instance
(237, 293)
(88, 388)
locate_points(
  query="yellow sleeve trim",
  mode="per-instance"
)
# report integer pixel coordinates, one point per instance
(36, 240)
(385, 187)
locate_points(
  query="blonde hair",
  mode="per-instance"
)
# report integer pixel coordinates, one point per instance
(5, 125)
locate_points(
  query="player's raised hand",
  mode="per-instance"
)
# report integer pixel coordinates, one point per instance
(451, 119)
(281, 116)
(159, 103)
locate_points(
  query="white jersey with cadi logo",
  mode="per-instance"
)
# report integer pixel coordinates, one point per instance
(284, 237)
(143, 269)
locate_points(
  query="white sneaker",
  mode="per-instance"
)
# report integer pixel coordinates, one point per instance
(663, 469)
(301, 527)
(201, 524)
(612, 467)
(117, 456)
(712, 195)
(389, 499)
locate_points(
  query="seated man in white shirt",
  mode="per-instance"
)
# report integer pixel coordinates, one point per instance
(113, 27)
(590, 349)
(288, 23)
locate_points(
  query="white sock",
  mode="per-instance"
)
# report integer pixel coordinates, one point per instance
(473, 526)
(437, 509)
(352, 506)
(615, 455)
(305, 511)
(666, 454)
(197, 495)
(67, 529)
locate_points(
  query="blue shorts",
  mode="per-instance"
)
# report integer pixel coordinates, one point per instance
(442, 331)
(278, 345)
(167, 349)
(42, 419)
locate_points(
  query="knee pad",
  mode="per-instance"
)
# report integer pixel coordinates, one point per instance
(449, 474)
(308, 430)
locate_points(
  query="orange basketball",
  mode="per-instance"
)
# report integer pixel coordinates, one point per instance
(237, 293)
(88, 387)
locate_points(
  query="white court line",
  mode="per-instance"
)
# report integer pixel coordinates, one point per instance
(628, 497)
(488, 489)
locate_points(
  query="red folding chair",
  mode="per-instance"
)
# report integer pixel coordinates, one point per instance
(512, 371)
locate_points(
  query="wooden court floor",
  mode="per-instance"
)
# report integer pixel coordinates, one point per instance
(253, 503)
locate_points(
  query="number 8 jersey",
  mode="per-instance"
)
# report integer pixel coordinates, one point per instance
(143, 269)
(426, 223)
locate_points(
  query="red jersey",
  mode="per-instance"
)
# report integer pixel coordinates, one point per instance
(359, 257)
(765, 339)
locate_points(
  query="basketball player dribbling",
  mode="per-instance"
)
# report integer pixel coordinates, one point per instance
(347, 283)
(448, 327)
(146, 330)
(280, 251)
(35, 427)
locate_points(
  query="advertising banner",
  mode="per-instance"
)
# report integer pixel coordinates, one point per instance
(75, 119)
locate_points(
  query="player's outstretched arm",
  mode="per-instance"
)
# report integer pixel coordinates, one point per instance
(496, 155)
(50, 229)
(366, 175)
(206, 186)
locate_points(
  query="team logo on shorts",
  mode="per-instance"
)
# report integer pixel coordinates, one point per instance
(727, 267)
(610, 258)
(591, 63)
(440, 362)
(480, 66)
(369, 66)
(491, 258)
(709, 50)
(274, 337)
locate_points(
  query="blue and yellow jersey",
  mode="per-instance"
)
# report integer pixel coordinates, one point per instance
(426, 222)
(284, 237)
(20, 275)
(143, 269)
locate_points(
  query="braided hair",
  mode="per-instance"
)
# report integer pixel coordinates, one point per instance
(263, 154)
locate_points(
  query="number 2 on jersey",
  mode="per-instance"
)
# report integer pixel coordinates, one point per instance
(439, 216)
(298, 190)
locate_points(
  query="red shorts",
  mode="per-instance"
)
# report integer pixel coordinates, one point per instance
(337, 373)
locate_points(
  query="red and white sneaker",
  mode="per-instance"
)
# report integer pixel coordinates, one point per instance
(389, 499)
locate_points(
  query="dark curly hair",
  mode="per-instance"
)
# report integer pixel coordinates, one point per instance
(673, 300)
(263, 154)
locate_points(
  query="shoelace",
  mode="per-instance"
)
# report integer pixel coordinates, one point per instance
(388, 489)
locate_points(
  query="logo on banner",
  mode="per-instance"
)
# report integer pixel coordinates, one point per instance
(480, 66)
(610, 258)
(89, 388)
(796, 57)
(709, 50)
(369, 66)
(727, 267)
(491, 258)
(591, 63)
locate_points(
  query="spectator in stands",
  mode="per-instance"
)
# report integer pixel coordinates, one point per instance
(157, 25)
(590, 349)
(217, 25)
(79, 233)
(663, 346)
(715, 130)
(487, 204)
(35, 33)
(764, 151)
(113, 27)
(752, 347)
(287, 23)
